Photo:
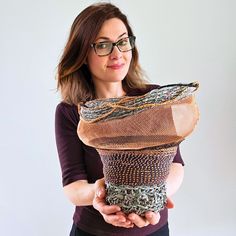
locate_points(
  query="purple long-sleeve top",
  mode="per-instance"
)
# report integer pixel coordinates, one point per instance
(81, 162)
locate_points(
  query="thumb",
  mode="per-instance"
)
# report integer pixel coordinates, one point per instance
(100, 188)
(100, 192)
(170, 203)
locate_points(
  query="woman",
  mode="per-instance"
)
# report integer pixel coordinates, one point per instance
(100, 60)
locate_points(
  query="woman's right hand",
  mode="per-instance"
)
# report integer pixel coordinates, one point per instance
(112, 214)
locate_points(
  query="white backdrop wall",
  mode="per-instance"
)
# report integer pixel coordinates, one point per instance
(179, 41)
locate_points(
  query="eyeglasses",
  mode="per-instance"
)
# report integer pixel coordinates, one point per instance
(105, 48)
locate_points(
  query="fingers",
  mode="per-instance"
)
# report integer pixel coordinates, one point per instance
(149, 218)
(152, 217)
(118, 220)
(111, 213)
(138, 220)
(100, 205)
(101, 192)
(100, 188)
(106, 209)
(100, 183)
(170, 203)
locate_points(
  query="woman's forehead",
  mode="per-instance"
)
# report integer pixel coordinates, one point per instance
(112, 29)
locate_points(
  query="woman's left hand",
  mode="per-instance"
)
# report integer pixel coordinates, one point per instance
(149, 218)
(142, 221)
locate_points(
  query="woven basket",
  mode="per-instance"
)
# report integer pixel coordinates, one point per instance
(137, 139)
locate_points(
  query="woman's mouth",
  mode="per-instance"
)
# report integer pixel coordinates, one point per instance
(115, 66)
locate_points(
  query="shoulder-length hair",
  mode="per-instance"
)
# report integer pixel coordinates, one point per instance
(74, 78)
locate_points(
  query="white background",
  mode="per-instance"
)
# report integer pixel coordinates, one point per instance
(179, 41)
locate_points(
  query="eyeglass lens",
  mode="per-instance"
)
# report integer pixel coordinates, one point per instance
(105, 48)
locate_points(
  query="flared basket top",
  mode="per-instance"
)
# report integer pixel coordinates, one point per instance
(112, 108)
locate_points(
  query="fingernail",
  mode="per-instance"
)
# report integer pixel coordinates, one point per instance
(132, 218)
(99, 193)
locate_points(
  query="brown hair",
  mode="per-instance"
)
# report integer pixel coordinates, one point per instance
(73, 75)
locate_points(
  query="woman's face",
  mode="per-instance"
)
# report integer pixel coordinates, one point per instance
(113, 67)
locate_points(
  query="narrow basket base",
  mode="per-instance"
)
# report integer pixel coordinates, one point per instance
(137, 199)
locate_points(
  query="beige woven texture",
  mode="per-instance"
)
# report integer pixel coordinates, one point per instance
(159, 125)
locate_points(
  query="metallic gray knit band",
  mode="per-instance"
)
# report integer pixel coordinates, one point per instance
(138, 199)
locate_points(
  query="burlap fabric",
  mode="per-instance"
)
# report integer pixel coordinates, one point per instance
(137, 138)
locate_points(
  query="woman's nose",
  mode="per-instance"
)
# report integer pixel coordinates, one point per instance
(116, 53)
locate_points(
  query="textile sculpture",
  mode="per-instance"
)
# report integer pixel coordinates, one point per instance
(137, 138)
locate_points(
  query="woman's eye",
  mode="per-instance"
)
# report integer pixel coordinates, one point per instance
(123, 42)
(102, 45)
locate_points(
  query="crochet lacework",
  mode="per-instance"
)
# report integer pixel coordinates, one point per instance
(138, 199)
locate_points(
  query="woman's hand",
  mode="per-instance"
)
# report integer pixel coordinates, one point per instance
(111, 213)
(149, 218)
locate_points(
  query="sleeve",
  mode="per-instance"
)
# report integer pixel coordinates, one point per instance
(69, 146)
(178, 157)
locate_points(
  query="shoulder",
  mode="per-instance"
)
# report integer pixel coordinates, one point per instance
(67, 112)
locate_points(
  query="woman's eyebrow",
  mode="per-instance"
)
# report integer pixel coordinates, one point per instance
(106, 38)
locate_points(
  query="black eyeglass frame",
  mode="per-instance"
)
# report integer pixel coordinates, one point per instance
(132, 43)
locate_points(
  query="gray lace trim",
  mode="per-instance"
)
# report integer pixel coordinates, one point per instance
(138, 199)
